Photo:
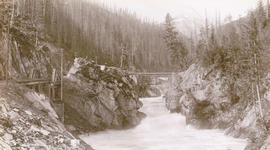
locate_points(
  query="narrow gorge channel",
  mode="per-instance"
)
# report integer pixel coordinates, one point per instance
(162, 130)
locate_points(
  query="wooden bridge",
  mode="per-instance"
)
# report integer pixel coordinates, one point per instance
(155, 76)
(152, 73)
(53, 86)
(39, 86)
(53, 89)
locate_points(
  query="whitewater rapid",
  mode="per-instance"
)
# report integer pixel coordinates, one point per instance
(162, 130)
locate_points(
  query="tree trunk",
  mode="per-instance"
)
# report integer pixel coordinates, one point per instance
(257, 86)
(259, 100)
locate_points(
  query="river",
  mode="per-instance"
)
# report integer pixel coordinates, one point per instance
(162, 130)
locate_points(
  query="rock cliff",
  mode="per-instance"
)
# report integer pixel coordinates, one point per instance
(203, 97)
(29, 55)
(103, 97)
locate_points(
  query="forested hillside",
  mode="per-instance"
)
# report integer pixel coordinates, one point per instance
(240, 49)
(103, 34)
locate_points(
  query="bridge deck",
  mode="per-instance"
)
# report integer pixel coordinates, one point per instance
(152, 73)
(35, 81)
(32, 80)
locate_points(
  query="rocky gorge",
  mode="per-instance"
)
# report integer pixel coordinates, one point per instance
(207, 104)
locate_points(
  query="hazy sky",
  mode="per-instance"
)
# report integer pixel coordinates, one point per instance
(181, 9)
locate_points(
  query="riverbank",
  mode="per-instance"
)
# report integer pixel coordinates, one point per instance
(27, 121)
(206, 102)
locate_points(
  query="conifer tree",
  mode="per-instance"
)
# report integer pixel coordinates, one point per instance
(255, 51)
(267, 10)
(261, 14)
(174, 43)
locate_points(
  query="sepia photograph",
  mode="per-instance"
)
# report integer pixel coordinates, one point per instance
(134, 75)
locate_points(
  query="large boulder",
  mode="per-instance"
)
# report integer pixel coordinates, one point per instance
(202, 96)
(104, 98)
(198, 95)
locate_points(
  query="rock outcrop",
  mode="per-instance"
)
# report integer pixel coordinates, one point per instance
(27, 121)
(153, 91)
(29, 55)
(103, 97)
(203, 97)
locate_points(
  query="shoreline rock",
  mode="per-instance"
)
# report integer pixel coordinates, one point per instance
(207, 104)
(105, 98)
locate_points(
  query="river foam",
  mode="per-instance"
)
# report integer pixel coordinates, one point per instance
(162, 130)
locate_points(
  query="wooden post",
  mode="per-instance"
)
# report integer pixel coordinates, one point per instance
(39, 88)
(7, 57)
(53, 93)
(62, 61)
(121, 63)
(49, 88)
(63, 104)
(253, 95)
(54, 75)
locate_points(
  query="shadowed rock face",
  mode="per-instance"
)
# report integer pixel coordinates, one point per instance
(26, 59)
(207, 103)
(104, 98)
(204, 102)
